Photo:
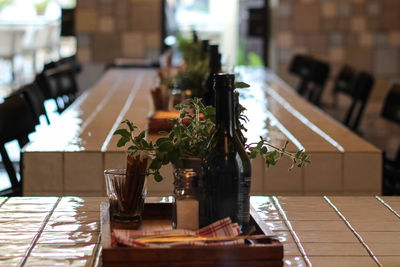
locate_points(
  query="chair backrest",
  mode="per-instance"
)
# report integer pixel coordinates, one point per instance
(61, 83)
(72, 62)
(320, 72)
(319, 75)
(35, 98)
(16, 120)
(301, 65)
(344, 80)
(391, 106)
(313, 74)
(49, 91)
(63, 78)
(361, 89)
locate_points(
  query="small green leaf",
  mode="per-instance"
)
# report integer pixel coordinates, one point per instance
(157, 177)
(264, 150)
(173, 155)
(253, 153)
(163, 132)
(141, 135)
(241, 85)
(132, 147)
(122, 142)
(165, 146)
(162, 140)
(144, 143)
(260, 144)
(130, 124)
(155, 164)
(123, 132)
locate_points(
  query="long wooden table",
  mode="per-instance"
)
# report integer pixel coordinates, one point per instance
(69, 156)
(316, 231)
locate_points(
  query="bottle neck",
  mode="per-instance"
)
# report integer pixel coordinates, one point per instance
(224, 108)
(214, 63)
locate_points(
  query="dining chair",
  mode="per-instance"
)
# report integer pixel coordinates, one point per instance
(301, 66)
(391, 106)
(62, 84)
(72, 62)
(35, 99)
(16, 122)
(360, 91)
(391, 173)
(344, 79)
(319, 76)
(313, 74)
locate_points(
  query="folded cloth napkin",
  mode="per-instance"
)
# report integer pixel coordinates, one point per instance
(221, 228)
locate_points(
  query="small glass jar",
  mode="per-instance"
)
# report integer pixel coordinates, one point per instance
(185, 213)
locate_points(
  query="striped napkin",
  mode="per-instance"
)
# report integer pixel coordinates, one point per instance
(221, 228)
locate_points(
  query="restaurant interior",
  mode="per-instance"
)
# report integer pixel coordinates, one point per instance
(319, 85)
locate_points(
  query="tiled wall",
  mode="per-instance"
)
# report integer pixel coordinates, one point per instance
(108, 29)
(362, 33)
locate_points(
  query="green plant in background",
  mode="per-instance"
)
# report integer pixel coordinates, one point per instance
(189, 137)
(251, 59)
(5, 3)
(254, 60)
(191, 51)
(194, 71)
(191, 78)
(40, 6)
(241, 57)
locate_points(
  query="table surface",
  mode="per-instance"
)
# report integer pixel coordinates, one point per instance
(74, 161)
(315, 231)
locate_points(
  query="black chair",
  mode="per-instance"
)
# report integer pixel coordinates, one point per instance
(391, 172)
(302, 66)
(360, 91)
(59, 84)
(391, 106)
(40, 79)
(344, 80)
(319, 76)
(16, 122)
(313, 74)
(35, 98)
(72, 62)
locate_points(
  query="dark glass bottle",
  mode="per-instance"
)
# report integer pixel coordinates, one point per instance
(214, 67)
(195, 36)
(204, 48)
(226, 166)
(236, 114)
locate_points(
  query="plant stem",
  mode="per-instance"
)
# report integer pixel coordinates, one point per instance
(276, 148)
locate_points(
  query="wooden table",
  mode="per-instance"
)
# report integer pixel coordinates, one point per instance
(316, 231)
(69, 156)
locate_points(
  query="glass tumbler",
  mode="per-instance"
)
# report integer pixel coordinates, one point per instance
(126, 197)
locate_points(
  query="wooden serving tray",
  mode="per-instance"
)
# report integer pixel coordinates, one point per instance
(157, 215)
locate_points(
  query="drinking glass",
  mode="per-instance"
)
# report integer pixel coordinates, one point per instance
(126, 197)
